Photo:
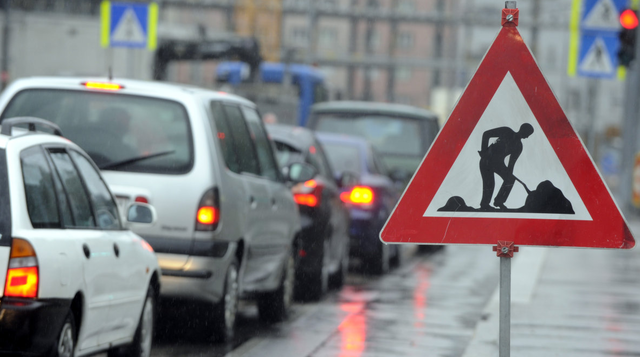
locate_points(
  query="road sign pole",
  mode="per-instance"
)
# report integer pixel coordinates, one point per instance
(505, 251)
(504, 339)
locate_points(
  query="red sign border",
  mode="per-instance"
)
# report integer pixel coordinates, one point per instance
(508, 53)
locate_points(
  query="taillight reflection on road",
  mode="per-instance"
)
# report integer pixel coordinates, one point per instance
(353, 330)
(420, 296)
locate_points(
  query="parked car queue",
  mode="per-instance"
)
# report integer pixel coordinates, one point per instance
(230, 223)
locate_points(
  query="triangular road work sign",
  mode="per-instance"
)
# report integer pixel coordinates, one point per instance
(603, 16)
(129, 30)
(508, 166)
(597, 60)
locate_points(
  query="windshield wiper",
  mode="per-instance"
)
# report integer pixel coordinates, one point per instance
(117, 164)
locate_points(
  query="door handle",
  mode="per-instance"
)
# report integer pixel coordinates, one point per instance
(116, 250)
(87, 252)
(252, 202)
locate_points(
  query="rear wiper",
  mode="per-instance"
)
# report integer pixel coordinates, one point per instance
(115, 165)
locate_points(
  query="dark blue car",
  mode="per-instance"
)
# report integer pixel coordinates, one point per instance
(370, 195)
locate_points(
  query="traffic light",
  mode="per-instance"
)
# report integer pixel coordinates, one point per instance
(627, 51)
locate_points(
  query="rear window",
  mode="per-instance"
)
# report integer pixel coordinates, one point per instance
(343, 157)
(119, 132)
(389, 135)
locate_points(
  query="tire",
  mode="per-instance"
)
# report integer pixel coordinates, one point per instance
(66, 341)
(274, 306)
(223, 317)
(396, 261)
(314, 286)
(336, 281)
(143, 338)
(378, 263)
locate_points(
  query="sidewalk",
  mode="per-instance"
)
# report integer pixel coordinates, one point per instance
(568, 302)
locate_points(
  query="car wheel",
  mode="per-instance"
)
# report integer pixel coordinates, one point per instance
(316, 284)
(274, 306)
(143, 338)
(66, 343)
(338, 278)
(225, 311)
(378, 264)
(396, 261)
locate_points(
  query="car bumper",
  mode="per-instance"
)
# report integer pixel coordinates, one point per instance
(30, 327)
(201, 279)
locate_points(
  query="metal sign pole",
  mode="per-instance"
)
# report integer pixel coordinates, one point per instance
(505, 251)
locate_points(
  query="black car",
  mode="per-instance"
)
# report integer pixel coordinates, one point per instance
(323, 251)
(370, 198)
(402, 134)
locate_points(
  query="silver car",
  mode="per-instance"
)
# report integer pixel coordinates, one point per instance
(227, 222)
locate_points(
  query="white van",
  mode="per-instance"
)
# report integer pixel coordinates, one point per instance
(227, 222)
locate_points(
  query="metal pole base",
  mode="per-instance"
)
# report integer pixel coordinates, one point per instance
(505, 251)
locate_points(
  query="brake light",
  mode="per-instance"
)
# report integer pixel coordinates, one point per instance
(22, 274)
(141, 199)
(307, 193)
(359, 195)
(103, 86)
(208, 214)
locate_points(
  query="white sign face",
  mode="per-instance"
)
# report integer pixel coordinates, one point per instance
(537, 167)
(603, 16)
(597, 59)
(129, 29)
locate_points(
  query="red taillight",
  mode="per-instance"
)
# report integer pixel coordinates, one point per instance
(103, 86)
(22, 274)
(359, 195)
(208, 214)
(141, 199)
(307, 193)
(306, 199)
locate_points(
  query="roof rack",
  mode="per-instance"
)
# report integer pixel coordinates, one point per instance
(8, 124)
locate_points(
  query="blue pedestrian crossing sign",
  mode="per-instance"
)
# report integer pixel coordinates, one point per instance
(131, 25)
(599, 43)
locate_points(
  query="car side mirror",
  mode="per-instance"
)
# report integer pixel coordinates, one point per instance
(141, 213)
(299, 172)
(347, 179)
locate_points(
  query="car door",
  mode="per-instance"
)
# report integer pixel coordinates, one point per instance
(95, 247)
(258, 228)
(281, 212)
(128, 278)
(338, 215)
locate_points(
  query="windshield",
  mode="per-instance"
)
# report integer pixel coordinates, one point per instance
(115, 130)
(389, 135)
(343, 157)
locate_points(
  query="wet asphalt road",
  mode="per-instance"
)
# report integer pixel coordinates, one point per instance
(431, 303)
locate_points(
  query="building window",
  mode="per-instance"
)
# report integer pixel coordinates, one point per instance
(327, 37)
(299, 36)
(405, 40)
(374, 40)
(406, 6)
(403, 73)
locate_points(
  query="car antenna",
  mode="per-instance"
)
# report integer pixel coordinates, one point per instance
(110, 74)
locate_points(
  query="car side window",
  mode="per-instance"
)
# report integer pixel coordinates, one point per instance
(225, 137)
(78, 198)
(40, 192)
(242, 143)
(105, 208)
(317, 159)
(263, 145)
